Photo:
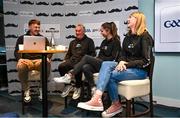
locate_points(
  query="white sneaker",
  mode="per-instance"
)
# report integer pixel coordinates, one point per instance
(66, 90)
(64, 79)
(40, 94)
(27, 97)
(77, 93)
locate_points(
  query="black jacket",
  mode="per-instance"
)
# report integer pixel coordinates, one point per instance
(79, 48)
(109, 49)
(20, 40)
(137, 50)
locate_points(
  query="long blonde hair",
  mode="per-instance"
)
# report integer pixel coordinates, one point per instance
(140, 27)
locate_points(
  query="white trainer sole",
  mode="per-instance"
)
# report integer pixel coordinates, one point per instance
(105, 115)
(83, 105)
(59, 80)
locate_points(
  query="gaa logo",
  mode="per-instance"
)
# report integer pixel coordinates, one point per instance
(172, 23)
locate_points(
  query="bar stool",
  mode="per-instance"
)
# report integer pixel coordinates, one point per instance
(131, 89)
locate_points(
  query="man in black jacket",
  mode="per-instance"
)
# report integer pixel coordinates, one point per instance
(28, 62)
(80, 46)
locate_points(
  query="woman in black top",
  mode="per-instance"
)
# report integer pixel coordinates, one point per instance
(133, 61)
(109, 50)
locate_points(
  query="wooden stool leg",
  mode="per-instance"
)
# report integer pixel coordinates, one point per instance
(133, 109)
(128, 108)
(22, 102)
(65, 101)
(151, 105)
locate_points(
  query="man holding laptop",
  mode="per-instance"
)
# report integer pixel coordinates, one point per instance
(28, 62)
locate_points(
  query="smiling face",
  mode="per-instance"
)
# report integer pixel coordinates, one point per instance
(132, 22)
(34, 29)
(104, 32)
(79, 32)
(137, 23)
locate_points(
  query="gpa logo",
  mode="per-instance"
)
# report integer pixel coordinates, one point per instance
(170, 24)
(92, 30)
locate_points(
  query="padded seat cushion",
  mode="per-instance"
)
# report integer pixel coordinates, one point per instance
(135, 82)
(131, 88)
(134, 88)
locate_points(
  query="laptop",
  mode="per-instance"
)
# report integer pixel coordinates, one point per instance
(34, 43)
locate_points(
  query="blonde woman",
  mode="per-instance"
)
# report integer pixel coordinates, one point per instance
(133, 62)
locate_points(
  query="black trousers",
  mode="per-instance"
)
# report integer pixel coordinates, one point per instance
(65, 67)
(88, 65)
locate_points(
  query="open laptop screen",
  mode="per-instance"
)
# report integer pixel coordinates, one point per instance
(34, 43)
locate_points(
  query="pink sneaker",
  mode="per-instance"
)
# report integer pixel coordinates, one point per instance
(92, 105)
(112, 111)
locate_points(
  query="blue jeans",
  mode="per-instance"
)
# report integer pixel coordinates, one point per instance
(109, 77)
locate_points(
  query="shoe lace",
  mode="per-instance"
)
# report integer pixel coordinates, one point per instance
(94, 99)
(65, 76)
(112, 108)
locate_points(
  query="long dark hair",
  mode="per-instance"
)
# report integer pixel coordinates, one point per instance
(111, 26)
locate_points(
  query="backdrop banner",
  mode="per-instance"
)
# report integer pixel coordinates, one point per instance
(62, 16)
